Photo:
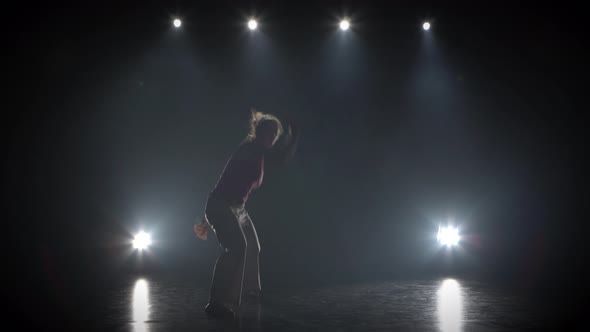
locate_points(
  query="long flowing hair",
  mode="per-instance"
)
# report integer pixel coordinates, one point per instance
(257, 118)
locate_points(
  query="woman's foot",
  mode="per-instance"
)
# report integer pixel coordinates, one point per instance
(219, 311)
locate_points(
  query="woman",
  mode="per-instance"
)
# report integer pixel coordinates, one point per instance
(237, 268)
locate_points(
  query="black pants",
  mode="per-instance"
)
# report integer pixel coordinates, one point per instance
(237, 267)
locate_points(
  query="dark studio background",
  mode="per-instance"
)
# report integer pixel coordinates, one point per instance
(117, 121)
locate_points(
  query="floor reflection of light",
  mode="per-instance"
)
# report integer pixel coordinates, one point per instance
(140, 306)
(450, 306)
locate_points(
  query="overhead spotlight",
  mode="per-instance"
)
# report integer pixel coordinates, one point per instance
(252, 24)
(426, 26)
(177, 23)
(344, 25)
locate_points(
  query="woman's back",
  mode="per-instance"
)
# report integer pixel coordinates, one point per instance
(242, 173)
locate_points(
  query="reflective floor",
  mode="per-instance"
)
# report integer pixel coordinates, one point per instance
(433, 305)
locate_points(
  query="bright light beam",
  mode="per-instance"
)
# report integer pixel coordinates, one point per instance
(177, 23)
(142, 241)
(344, 25)
(426, 26)
(140, 306)
(450, 306)
(252, 24)
(448, 236)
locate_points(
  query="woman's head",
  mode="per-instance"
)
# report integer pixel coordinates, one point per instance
(265, 129)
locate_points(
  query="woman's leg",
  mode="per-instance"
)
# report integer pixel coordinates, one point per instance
(226, 287)
(252, 268)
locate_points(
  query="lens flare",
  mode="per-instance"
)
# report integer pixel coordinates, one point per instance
(142, 241)
(344, 25)
(252, 24)
(448, 236)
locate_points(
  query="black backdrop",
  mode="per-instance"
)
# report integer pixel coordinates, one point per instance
(117, 121)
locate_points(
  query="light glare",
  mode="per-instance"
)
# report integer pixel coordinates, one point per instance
(448, 236)
(450, 306)
(252, 24)
(140, 306)
(426, 26)
(177, 23)
(344, 25)
(142, 241)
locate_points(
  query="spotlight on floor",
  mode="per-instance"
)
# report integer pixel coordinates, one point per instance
(252, 24)
(344, 25)
(177, 23)
(426, 26)
(142, 240)
(448, 236)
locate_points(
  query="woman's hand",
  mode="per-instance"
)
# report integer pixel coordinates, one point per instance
(201, 230)
(292, 134)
